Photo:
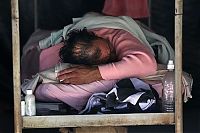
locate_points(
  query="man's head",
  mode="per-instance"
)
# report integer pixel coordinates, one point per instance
(84, 47)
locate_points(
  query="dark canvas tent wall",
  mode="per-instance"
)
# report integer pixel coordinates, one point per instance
(97, 120)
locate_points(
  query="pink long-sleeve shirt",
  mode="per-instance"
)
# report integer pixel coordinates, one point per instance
(135, 60)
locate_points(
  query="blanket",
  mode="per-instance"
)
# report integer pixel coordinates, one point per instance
(49, 76)
(127, 96)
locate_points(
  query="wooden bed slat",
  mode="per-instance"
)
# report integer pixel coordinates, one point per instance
(16, 66)
(178, 66)
(98, 120)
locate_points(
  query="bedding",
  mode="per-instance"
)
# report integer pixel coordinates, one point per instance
(31, 53)
(127, 96)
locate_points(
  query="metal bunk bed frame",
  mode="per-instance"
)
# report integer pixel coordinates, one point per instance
(96, 121)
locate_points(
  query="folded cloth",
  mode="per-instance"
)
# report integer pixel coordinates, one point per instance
(47, 76)
(127, 96)
(187, 81)
(156, 79)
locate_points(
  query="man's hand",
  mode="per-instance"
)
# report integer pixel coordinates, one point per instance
(79, 74)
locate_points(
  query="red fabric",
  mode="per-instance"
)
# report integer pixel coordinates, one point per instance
(132, 8)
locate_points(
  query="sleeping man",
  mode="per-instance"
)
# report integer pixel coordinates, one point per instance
(103, 50)
(101, 56)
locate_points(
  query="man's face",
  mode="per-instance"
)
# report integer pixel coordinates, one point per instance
(99, 51)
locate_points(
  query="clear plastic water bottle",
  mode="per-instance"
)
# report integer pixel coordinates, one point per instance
(23, 108)
(30, 103)
(168, 94)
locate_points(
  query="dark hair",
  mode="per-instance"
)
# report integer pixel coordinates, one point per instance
(79, 48)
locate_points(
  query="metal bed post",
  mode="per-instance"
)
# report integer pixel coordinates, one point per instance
(178, 66)
(149, 19)
(35, 15)
(16, 65)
